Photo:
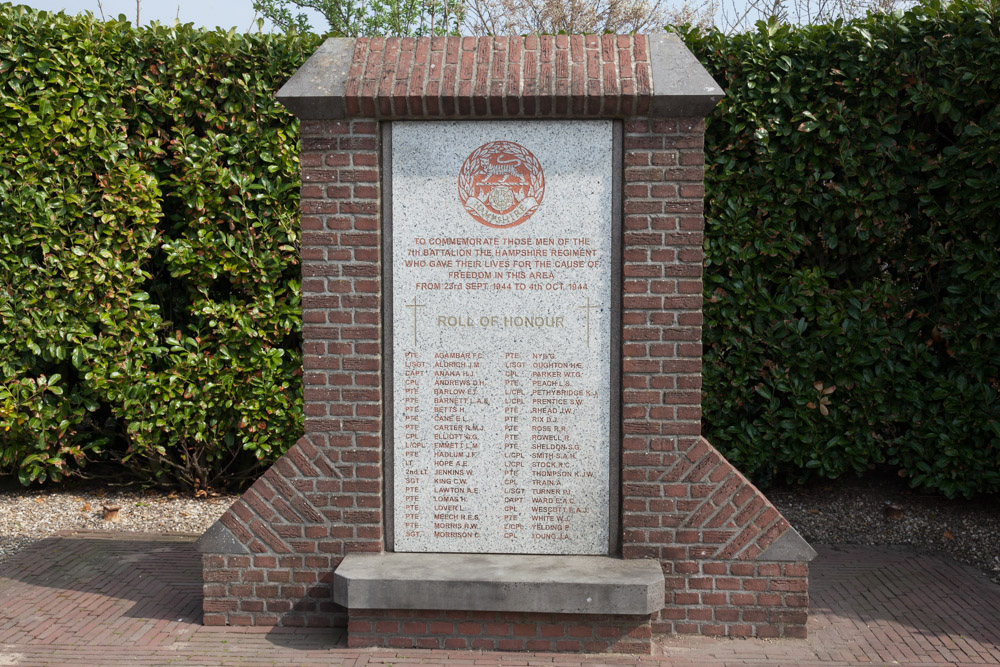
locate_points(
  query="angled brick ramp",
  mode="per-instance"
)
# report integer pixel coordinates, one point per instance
(733, 564)
(269, 560)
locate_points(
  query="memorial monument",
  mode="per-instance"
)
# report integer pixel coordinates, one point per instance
(501, 242)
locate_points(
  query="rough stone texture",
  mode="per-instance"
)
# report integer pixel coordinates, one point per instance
(490, 582)
(432, 512)
(789, 546)
(220, 540)
(681, 86)
(682, 503)
(499, 631)
(316, 90)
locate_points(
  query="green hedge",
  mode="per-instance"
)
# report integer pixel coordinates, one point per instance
(149, 308)
(148, 248)
(853, 232)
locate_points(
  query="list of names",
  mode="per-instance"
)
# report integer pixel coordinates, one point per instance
(501, 349)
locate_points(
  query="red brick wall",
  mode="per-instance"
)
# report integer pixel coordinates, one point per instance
(735, 599)
(499, 631)
(323, 499)
(268, 590)
(550, 75)
(682, 502)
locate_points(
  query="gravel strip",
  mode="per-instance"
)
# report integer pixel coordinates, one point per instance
(9, 545)
(857, 511)
(27, 516)
(849, 511)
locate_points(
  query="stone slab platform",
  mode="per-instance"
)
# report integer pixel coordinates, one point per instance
(130, 598)
(478, 582)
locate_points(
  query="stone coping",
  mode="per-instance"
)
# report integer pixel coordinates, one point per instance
(494, 582)
(549, 76)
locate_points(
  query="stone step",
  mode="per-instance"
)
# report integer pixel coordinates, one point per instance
(499, 582)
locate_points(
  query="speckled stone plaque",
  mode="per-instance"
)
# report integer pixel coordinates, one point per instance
(501, 335)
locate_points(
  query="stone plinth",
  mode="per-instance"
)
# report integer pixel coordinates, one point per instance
(489, 582)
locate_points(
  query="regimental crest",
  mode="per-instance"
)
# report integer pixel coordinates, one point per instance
(501, 184)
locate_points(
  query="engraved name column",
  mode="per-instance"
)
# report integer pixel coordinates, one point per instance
(501, 263)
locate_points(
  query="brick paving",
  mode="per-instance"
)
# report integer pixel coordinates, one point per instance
(118, 598)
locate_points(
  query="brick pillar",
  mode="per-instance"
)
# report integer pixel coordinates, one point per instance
(323, 498)
(732, 564)
(682, 502)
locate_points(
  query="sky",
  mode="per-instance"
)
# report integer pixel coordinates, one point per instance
(210, 14)
(203, 13)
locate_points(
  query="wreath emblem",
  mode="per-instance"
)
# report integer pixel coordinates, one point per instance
(501, 184)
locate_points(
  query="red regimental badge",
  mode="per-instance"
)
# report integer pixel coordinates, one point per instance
(501, 184)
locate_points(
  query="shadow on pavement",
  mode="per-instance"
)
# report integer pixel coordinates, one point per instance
(161, 576)
(881, 587)
(115, 587)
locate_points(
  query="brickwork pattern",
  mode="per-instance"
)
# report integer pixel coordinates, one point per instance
(735, 599)
(499, 631)
(92, 598)
(323, 499)
(549, 75)
(682, 502)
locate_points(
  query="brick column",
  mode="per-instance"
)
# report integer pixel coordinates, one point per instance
(733, 566)
(323, 498)
(682, 502)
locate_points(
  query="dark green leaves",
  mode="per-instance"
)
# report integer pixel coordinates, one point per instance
(151, 189)
(852, 239)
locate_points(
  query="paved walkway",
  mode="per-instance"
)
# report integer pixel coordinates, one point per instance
(112, 598)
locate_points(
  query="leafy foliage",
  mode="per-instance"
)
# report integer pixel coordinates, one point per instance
(517, 17)
(357, 18)
(853, 275)
(149, 307)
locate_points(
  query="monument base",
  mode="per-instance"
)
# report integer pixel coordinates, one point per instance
(733, 565)
(499, 602)
(499, 631)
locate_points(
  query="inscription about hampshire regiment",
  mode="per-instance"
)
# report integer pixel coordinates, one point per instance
(501, 322)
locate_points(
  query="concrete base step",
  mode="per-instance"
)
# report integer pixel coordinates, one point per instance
(498, 582)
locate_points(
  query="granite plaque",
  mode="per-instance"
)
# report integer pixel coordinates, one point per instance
(501, 269)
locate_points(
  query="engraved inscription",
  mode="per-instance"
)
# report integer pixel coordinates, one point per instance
(501, 336)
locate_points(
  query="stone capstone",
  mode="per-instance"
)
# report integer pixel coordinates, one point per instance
(218, 539)
(789, 546)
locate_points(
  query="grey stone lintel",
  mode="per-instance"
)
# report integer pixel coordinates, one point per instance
(316, 90)
(682, 88)
(496, 582)
(219, 540)
(790, 546)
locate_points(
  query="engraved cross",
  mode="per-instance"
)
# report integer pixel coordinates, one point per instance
(588, 308)
(414, 306)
